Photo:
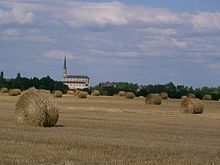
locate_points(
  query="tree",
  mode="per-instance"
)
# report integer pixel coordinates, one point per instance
(2, 75)
(142, 92)
(18, 76)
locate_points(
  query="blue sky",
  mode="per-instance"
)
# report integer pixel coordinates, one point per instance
(145, 41)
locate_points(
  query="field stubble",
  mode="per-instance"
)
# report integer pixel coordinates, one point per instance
(113, 130)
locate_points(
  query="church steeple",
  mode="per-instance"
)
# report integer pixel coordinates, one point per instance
(64, 67)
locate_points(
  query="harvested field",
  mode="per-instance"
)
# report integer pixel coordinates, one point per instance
(113, 130)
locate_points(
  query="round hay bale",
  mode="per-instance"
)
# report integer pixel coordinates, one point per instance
(82, 94)
(207, 97)
(130, 95)
(77, 92)
(153, 99)
(57, 94)
(183, 97)
(44, 90)
(70, 92)
(3, 90)
(14, 92)
(35, 108)
(191, 95)
(192, 105)
(164, 95)
(95, 93)
(121, 93)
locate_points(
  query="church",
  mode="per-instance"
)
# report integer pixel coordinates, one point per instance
(74, 81)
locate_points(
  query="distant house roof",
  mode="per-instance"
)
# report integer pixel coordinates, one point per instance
(76, 76)
(75, 82)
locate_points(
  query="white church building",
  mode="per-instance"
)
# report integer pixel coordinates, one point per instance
(74, 81)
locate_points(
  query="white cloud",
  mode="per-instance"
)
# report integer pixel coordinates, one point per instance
(80, 14)
(16, 15)
(162, 44)
(113, 13)
(59, 54)
(9, 34)
(206, 20)
(159, 31)
(37, 38)
(22, 15)
(177, 43)
(143, 30)
(14, 35)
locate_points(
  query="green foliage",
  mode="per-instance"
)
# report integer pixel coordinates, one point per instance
(111, 88)
(2, 76)
(24, 83)
(88, 90)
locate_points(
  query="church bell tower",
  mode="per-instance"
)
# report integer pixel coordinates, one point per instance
(64, 68)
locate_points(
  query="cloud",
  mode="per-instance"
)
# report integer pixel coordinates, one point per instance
(178, 43)
(113, 13)
(9, 34)
(15, 35)
(80, 14)
(205, 20)
(16, 14)
(59, 54)
(127, 31)
(38, 38)
(83, 14)
(159, 31)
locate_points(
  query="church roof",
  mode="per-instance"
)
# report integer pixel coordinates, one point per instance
(77, 76)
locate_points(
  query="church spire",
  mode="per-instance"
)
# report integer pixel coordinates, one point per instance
(64, 67)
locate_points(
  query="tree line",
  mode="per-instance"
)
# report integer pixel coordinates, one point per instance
(173, 91)
(24, 83)
(110, 88)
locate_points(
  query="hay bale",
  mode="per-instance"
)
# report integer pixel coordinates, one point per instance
(76, 92)
(153, 99)
(192, 105)
(207, 97)
(164, 95)
(130, 95)
(70, 92)
(183, 97)
(121, 93)
(95, 93)
(82, 94)
(14, 92)
(3, 90)
(191, 95)
(57, 94)
(35, 108)
(44, 90)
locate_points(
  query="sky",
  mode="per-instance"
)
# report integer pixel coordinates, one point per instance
(144, 42)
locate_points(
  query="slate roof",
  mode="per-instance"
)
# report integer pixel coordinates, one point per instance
(76, 76)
